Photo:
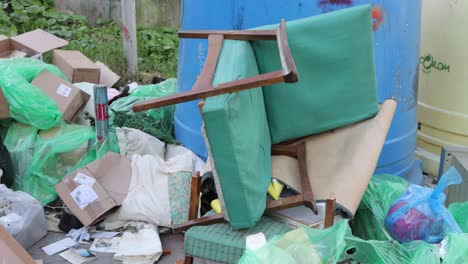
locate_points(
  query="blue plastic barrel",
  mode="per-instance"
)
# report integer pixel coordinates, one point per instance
(396, 28)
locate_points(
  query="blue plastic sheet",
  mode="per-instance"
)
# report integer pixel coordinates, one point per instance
(420, 213)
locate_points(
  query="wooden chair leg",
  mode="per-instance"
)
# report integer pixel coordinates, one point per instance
(329, 212)
(188, 260)
(195, 187)
(307, 193)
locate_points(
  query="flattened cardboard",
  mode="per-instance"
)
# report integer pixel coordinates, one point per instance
(11, 251)
(112, 174)
(341, 162)
(4, 107)
(69, 98)
(29, 44)
(76, 66)
(108, 77)
(37, 41)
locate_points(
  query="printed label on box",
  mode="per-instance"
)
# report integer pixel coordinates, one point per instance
(84, 179)
(64, 90)
(83, 195)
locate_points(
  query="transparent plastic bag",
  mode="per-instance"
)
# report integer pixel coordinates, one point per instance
(454, 249)
(22, 216)
(381, 193)
(420, 213)
(28, 104)
(156, 122)
(303, 245)
(55, 153)
(98, 150)
(390, 252)
(459, 212)
(20, 141)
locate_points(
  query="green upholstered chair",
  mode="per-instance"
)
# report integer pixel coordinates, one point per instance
(334, 57)
(336, 92)
(219, 242)
(337, 88)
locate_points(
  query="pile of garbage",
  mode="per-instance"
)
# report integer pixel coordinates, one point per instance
(76, 159)
(396, 223)
(75, 155)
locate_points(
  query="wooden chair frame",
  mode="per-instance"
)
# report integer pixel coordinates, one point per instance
(203, 87)
(306, 198)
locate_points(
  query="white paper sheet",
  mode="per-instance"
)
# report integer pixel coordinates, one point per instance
(75, 258)
(105, 245)
(105, 234)
(83, 195)
(84, 179)
(58, 246)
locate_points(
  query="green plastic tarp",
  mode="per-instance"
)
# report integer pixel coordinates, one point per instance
(459, 212)
(28, 104)
(301, 246)
(455, 249)
(156, 122)
(381, 193)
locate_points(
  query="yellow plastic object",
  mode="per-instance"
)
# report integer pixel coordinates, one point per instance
(216, 205)
(442, 106)
(275, 189)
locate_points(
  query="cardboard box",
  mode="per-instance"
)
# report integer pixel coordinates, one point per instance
(29, 44)
(76, 66)
(69, 98)
(4, 107)
(97, 189)
(11, 251)
(108, 77)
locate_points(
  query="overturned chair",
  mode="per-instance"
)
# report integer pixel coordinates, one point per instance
(325, 132)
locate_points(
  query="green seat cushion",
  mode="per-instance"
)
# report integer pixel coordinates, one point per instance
(219, 242)
(334, 56)
(238, 138)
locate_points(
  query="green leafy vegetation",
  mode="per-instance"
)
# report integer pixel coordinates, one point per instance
(157, 48)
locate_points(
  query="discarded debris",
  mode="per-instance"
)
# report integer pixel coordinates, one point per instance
(419, 213)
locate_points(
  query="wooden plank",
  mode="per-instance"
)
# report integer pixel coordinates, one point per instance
(195, 187)
(230, 34)
(307, 193)
(206, 220)
(287, 62)
(329, 212)
(215, 43)
(284, 150)
(229, 87)
(286, 202)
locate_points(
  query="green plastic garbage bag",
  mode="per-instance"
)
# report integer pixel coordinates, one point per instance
(302, 246)
(459, 212)
(98, 150)
(390, 252)
(380, 194)
(156, 122)
(455, 249)
(48, 166)
(28, 104)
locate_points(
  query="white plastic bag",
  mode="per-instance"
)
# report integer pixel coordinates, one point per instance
(133, 141)
(22, 216)
(143, 246)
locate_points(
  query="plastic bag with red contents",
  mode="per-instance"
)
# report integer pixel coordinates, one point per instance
(420, 213)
